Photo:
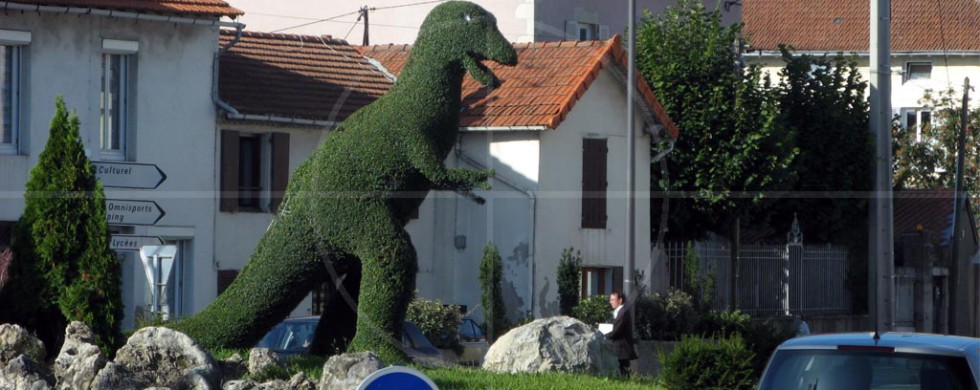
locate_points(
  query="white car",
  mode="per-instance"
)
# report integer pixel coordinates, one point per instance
(865, 361)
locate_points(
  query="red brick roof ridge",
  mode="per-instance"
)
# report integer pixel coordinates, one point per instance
(179, 7)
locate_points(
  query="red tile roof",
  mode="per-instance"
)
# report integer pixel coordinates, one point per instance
(296, 76)
(546, 83)
(180, 7)
(929, 210)
(843, 25)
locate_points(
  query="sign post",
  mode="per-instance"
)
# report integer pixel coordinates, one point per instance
(158, 261)
(129, 175)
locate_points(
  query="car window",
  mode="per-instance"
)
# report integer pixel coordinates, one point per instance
(865, 370)
(289, 336)
(469, 331)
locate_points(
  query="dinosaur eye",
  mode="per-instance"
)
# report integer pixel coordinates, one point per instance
(467, 17)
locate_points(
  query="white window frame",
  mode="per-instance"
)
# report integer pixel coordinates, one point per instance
(15, 41)
(125, 52)
(908, 70)
(917, 111)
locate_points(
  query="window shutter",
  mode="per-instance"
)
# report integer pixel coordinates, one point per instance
(225, 277)
(280, 169)
(228, 198)
(594, 183)
(617, 279)
(571, 30)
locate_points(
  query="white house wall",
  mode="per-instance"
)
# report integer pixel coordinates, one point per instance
(237, 234)
(905, 94)
(599, 114)
(173, 127)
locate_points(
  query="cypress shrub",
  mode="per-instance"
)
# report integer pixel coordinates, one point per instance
(491, 276)
(569, 276)
(63, 268)
(708, 363)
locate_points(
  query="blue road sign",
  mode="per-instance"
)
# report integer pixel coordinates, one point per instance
(397, 378)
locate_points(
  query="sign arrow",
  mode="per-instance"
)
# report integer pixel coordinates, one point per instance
(132, 212)
(129, 242)
(129, 175)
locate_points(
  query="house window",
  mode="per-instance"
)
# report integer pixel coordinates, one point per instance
(601, 281)
(12, 48)
(594, 183)
(254, 170)
(114, 105)
(584, 31)
(918, 71)
(917, 119)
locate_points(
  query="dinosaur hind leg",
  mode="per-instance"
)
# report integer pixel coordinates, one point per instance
(388, 273)
(284, 268)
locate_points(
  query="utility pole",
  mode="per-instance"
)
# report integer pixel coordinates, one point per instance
(960, 323)
(881, 263)
(630, 282)
(364, 15)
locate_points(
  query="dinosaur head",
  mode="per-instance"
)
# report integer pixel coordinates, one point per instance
(463, 32)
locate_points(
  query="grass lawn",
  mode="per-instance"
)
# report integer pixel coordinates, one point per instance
(469, 378)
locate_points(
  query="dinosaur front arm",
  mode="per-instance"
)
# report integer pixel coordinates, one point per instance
(423, 157)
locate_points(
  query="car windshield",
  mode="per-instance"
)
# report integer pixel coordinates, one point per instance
(416, 340)
(865, 370)
(289, 336)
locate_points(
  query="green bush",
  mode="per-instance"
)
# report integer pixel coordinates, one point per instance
(708, 363)
(722, 323)
(438, 322)
(762, 337)
(63, 269)
(491, 276)
(594, 310)
(569, 277)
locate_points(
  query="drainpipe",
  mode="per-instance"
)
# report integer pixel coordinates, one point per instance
(531, 213)
(216, 98)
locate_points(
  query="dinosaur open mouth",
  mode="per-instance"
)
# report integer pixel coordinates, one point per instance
(480, 72)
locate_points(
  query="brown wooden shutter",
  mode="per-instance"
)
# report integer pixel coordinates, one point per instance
(280, 169)
(617, 279)
(225, 277)
(228, 200)
(594, 183)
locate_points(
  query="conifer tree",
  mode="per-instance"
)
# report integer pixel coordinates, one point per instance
(63, 267)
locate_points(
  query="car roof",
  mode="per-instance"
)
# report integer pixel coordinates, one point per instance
(907, 342)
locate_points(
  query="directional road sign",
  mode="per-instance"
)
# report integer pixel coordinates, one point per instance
(129, 242)
(132, 212)
(128, 175)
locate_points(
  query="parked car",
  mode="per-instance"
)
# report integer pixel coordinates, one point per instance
(293, 337)
(475, 345)
(868, 362)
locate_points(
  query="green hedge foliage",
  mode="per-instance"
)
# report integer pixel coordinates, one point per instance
(347, 203)
(708, 363)
(437, 321)
(594, 311)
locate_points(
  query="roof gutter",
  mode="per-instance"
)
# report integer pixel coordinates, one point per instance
(6, 5)
(907, 53)
(279, 119)
(505, 128)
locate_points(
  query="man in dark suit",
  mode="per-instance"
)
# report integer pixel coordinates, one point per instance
(622, 332)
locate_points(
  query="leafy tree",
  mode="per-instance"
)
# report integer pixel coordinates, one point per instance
(63, 267)
(732, 145)
(491, 276)
(930, 161)
(569, 275)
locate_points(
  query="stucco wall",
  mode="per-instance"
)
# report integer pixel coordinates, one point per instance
(172, 125)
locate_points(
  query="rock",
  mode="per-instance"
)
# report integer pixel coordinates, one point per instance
(241, 385)
(259, 359)
(23, 373)
(158, 356)
(115, 376)
(79, 360)
(552, 344)
(346, 371)
(233, 367)
(16, 341)
(301, 382)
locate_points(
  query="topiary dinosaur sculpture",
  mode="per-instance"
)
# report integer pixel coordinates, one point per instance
(346, 207)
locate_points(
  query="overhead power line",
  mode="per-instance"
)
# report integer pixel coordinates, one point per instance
(316, 21)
